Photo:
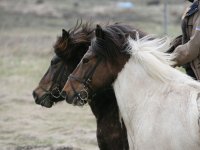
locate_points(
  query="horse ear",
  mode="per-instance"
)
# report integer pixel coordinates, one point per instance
(99, 32)
(65, 33)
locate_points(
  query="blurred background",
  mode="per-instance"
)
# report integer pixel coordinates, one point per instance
(28, 30)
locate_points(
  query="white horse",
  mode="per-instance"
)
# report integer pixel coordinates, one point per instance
(158, 103)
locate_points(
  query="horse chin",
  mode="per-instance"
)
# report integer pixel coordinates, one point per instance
(76, 101)
(79, 103)
(45, 101)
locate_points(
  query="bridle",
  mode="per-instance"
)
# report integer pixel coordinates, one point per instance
(59, 78)
(83, 95)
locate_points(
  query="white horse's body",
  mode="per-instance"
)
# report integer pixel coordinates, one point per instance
(158, 103)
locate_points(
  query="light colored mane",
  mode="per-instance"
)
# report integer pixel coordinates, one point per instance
(151, 54)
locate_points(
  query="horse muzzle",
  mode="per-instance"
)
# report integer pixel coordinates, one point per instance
(44, 100)
(78, 99)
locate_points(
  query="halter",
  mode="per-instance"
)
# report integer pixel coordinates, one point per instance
(83, 95)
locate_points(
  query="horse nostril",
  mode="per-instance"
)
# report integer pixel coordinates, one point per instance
(35, 95)
(63, 94)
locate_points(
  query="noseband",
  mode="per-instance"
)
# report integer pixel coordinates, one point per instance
(83, 95)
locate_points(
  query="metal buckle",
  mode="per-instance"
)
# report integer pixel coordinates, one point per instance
(83, 95)
(55, 92)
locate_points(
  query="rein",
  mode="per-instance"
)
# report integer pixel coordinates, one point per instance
(83, 95)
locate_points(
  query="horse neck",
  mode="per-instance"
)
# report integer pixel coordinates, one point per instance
(104, 104)
(137, 83)
(140, 97)
(133, 81)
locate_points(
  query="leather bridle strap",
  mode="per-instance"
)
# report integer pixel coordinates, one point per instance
(58, 78)
(86, 82)
(75, 92)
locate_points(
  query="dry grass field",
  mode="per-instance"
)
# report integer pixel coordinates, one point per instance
(28, 29)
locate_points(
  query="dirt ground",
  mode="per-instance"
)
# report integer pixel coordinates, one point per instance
(28, 29)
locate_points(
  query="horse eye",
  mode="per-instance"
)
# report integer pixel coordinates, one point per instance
(85, 60)
(55, 60)
(52, 63)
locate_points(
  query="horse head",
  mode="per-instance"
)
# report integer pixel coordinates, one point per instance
(99, 66)
(69, 49)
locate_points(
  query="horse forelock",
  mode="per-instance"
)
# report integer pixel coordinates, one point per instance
(112, 44)
(80, 35)
(61, 46)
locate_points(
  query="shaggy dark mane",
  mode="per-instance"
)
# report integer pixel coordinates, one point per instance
(81, 33)
(77, 37)
(114, 41)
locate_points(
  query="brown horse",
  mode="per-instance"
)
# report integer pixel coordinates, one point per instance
(159, 104)
(70, 48)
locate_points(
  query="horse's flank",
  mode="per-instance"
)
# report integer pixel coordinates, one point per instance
(156, 99)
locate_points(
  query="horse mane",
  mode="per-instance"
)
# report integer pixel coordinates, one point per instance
(148, 51)
(114, 41)
(80, 35)
(151, 54)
